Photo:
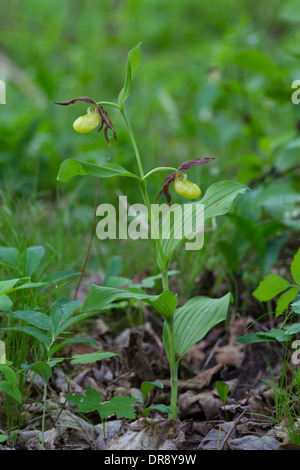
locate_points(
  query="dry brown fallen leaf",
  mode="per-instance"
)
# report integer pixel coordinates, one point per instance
(253, 443)
(233, 353)
(141, 437)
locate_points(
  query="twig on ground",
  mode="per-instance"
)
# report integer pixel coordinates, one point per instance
(231, 429)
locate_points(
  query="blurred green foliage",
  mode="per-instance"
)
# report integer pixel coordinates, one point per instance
(215, 80)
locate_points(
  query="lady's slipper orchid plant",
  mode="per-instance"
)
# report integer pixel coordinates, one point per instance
(188, 324)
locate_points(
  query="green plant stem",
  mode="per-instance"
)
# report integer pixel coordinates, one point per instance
(173, 370)
(142, 185)
(44, 413)
(164, 272)
(108, 103)
(165, 278)
(135, 148)
(159, 168)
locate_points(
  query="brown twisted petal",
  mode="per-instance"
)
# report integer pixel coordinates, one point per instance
(198, 161)
(106, 120)
(165, 188)
(104, 116)
(81, 98)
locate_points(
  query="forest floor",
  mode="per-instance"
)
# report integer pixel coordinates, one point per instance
(245, 423)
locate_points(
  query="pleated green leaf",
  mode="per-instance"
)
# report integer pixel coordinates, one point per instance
(100, 297)
(217, 201)
(194, 320)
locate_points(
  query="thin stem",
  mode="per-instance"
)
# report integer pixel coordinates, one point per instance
(44, 414)
(165, 278)
(164, 271)
(91, 239)
(142, 185)
(160, 168)
(136, 150)
(108, 103)
(173, 370)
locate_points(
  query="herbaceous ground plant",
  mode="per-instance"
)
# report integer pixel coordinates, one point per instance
(189, 323)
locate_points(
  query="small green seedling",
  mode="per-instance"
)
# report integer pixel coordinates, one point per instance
(273, 285)
(223, 389)
(146, 388)
(92, 401)
(269, 288)
(3, 438)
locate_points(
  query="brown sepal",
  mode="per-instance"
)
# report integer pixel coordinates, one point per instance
(105, 119)
(171, 177)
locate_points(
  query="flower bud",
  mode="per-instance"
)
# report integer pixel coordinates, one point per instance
(185, 188)
(89, 121)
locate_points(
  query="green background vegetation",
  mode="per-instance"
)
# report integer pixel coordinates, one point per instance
(214, 80)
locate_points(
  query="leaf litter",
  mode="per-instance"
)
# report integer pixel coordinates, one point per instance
(204, 423)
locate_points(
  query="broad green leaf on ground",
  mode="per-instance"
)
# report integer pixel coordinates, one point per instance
(87, 403)
(12, 391)
(160, 407)
(92, 357)
(9, 374)
(194, 320)
(285, 299)
(222, 389)
(61, 310)
(270, 286)
(41, 368)
(100, 297)
(274, 334)
(217, 201)
(295, 267)
(256, 61)
(133, 61)
(72, 167)
(37, 319)
(121, 406)
(146, 387)
(252, 338)
(91, 401)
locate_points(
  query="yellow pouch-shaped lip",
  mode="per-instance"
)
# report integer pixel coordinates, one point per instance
(89, 121)
(185, 188)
